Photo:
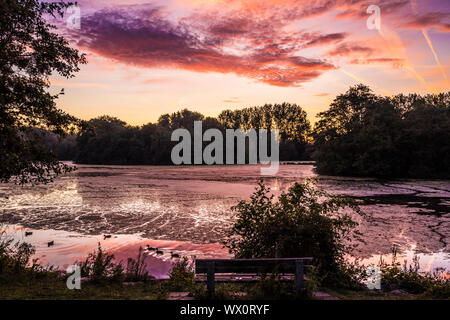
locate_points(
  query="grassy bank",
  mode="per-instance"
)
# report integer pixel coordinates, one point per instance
(103, 279)
(159, 290)
(57, 290)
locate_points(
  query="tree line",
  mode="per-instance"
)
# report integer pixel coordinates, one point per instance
(361, 134)
(108, 140)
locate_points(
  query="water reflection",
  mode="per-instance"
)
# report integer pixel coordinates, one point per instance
(71, 247)
(190, 207)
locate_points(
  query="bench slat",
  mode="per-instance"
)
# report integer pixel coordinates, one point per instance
(282, 265)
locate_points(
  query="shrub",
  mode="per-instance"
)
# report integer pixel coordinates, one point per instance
(270, 287)
(440, 288)
(304, 222)
(100, 268)
(5, 253)
(137, 269)
(16, 263)
(181, 276)
(409, 278)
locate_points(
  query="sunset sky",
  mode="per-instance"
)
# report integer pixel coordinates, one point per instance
(147, 58)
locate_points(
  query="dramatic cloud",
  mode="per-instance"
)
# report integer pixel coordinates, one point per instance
(358, 9)
(150, 40)
(439, 20)
(396, 62)
(261, 40)
(326, 39)
(349, 49)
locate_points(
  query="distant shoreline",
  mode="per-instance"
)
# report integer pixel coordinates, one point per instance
(71, 162)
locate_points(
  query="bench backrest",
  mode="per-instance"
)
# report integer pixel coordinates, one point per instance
(261, 265)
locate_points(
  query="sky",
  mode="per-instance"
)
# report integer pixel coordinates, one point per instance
(147, 58)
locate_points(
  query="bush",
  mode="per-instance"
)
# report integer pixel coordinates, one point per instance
(270, 287)
(409, 278)
(137, 269)
(181, 276)
(223, 291)
(304, 222)
(100, 268)
(16, 263)
(440, 289)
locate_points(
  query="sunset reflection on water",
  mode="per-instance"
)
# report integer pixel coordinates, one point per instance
(187, 210)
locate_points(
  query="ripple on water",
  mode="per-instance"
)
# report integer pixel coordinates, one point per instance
(191, 205)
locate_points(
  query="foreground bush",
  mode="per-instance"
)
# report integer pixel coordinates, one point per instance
(409, 278)
(304, 222)
(16, 264)
(100, 268)
(181, 276)
(137, 268)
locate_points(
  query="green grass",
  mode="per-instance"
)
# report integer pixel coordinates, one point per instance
(57, 290)
(345, 294)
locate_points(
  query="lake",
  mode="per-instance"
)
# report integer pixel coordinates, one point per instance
(186, 210)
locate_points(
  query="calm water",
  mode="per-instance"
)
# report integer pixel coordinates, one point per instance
(187, 210)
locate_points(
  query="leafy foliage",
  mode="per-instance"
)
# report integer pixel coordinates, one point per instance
(108, 140)
(16, 264)
(409, 278)
(181, 276)
(100, 268)
(304, 222)
(363, 134)
(137, 268)
(270, 287)
(30, 51)
(290, 119)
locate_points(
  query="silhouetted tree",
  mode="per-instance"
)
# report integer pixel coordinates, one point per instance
(363, 134)
(290, 119)
(29, 53)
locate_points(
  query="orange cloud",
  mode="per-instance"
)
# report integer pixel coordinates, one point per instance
(152, 41)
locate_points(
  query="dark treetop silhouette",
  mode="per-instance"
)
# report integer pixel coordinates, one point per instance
(29, 53)
(363, 134)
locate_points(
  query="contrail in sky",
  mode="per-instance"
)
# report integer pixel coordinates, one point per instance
(425, 34)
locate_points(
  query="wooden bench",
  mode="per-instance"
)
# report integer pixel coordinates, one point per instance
(210, 267)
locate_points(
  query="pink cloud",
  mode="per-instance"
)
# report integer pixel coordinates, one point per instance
(439, 20)
(151, 41)
(349, 49)
(252, 39)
